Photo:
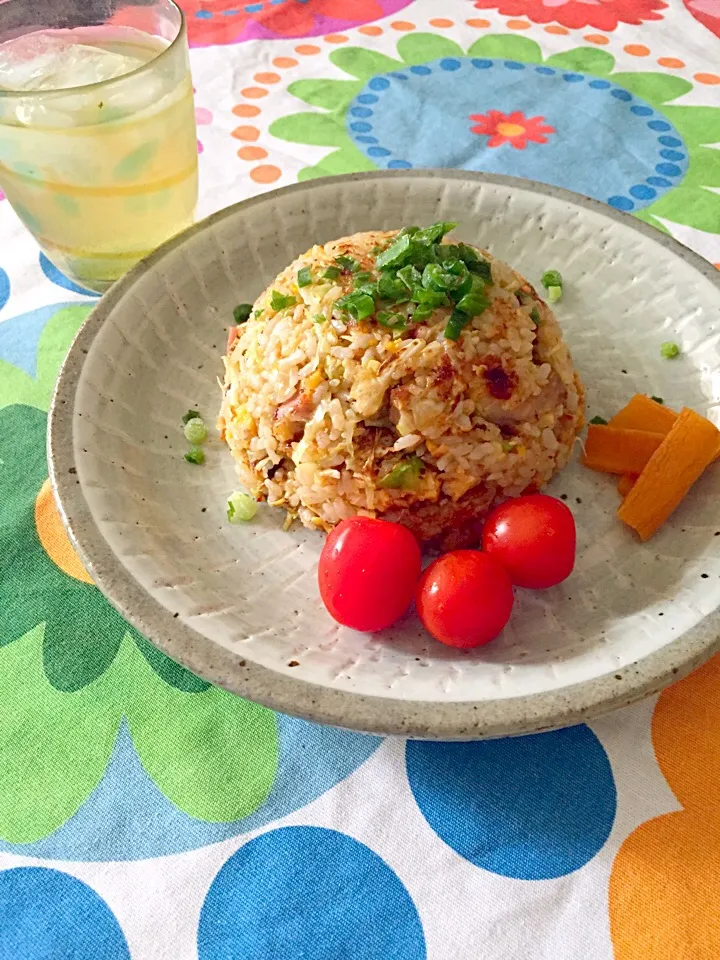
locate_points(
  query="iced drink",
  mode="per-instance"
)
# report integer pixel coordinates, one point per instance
(98, 150)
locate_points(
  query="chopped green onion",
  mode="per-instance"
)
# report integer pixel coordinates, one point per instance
(241, 508)
(409, 275)
(190, 415)
(358, 304)
(279, 301)
(393, 321)
(403, 476)
(474, 302)
(332, 273)
(304, 277)
(397, 253)
(552, 278)
(452, 275)
(347, 263)
(435, 231)
(599, 422)
(195, 456)
(390, 288)
(319, 318)
(554, 294)
(658, 399)
(376, 250)
(506, 446)
(195, 431)
(455, 325)
(258, 313)
(362, 277)
(241, 312)
(669, 350)
(535, 316)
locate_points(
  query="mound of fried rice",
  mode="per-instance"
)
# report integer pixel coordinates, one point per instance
(319, 410)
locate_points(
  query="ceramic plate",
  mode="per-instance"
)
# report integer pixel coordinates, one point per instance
(239, 604)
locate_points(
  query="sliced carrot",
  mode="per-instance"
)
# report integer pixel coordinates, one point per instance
(625, 484)
(616, 450)
(643, 413)
(685, 452)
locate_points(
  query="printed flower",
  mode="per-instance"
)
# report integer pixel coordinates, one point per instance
(203, 116)
(225, 21)
(578, 13)
(71, 669)
(706, 12)
(632, 145)
(513, 128)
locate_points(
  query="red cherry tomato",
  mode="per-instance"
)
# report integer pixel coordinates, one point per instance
(533, 538)
(368, 571)
(464, 598)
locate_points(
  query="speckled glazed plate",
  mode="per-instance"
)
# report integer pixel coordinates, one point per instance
(239, 604)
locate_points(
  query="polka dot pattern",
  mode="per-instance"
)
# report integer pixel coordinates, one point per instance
(531, 808)
(314, 888)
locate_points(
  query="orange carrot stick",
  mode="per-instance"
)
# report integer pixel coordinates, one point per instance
(685, 452)
(642, 413)
(625, 484)
(616, 450)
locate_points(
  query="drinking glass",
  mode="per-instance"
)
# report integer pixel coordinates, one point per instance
(98, 148)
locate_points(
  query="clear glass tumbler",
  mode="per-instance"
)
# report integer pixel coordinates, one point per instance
(98, 148)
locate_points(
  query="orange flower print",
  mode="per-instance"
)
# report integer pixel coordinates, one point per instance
(513, 128)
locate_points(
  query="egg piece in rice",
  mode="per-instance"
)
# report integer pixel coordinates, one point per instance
(346, 394)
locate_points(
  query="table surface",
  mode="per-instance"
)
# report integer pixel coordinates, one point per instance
(146, 814)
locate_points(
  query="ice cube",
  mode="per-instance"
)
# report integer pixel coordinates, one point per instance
(48, 62)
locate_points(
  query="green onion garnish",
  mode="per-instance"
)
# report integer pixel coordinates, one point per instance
(195, 456)
(599, 422)
(241, 312)
(658, 399)
(410, 276)
(393, 321)
(319, 318)
(304, 277)
(241, 508)
(403, 476)
(190, 415)
(347, 263)
(551, 278)
(553, 283)
(669, 350)
(278, 301)
(455, 325)
(195, 431)
(332, 273)
(362, 277)
(358, 304)
(258, 313)
(535, 316)
(474, 302)
(390, 288)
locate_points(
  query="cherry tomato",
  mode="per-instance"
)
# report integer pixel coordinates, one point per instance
(368, 571)
(533, 538)
(464, 598)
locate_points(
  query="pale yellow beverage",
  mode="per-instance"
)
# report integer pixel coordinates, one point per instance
(98, 149)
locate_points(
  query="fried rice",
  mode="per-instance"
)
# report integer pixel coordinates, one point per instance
(328, 416)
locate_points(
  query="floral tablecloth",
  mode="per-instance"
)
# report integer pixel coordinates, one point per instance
(146, 814)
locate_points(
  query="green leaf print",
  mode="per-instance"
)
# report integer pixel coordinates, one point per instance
(318, 129)
(507, 48)
(583, 59)
(328, 94)
(53, 746)
(16, 386)
(362, 63)
(697, 124)
(347, 160)
(654, 87)
(417, 48)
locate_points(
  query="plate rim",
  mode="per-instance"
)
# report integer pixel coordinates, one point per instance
(426, 719)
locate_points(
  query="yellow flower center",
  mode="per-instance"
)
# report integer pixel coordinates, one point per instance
(53, 537)
(510, 129)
